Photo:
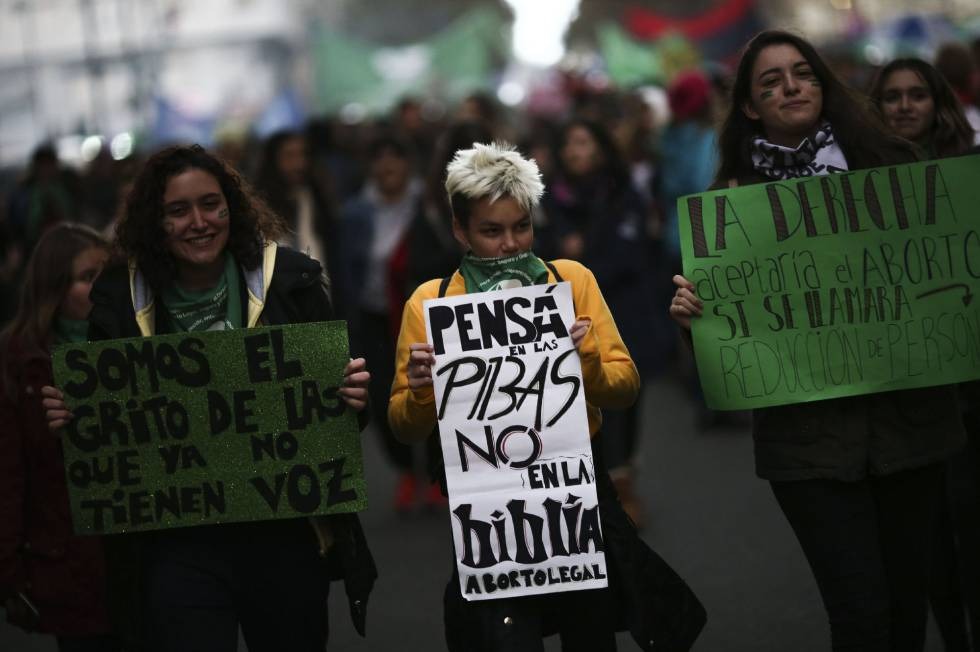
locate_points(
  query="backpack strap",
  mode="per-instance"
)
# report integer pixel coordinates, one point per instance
(444, 285)
(554, 270)
(435, 461)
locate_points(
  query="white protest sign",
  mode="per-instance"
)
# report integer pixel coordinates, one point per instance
(515, 437)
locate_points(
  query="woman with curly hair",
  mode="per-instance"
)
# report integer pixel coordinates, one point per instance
(202, 256)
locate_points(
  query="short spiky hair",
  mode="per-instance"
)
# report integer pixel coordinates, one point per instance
(491, 172)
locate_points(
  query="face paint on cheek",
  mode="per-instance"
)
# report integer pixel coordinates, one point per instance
(765, 95)
(168, 227)
(223, 213)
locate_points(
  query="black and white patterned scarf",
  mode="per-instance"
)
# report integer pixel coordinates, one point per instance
(814, 156)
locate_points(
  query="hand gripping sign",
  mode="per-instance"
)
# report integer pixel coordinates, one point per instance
(209, 427)
(836, 285)
(510, 403)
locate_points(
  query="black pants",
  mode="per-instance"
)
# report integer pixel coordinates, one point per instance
(96, 643)
(644, 595)
(620, 429)
(581, 619)
(955, 582)
(201, 584)
(868, 544)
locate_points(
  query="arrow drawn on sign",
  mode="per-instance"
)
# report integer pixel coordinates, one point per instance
(967, 295)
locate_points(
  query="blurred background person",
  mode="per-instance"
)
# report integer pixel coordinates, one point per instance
(374, 259)
(51, 581)
(596, 217)
(431, 250)
(955, 63)
(689, 162)
(301, 197)
(918, 105)
(688, 151)
(48, 194)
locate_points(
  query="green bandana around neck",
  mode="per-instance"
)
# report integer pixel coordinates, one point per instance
(70, 331)
(216, 309)
(487, 274)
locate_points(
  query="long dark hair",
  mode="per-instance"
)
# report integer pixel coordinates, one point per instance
(47, 277)
(612, 166)
(140, 233)
(855, 124)
(951, 134)
(269, 179)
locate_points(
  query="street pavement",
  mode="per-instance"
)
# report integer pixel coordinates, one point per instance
(708, 516)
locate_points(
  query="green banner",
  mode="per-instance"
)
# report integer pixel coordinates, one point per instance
(209, 427)
(459, 59)
(836, 285)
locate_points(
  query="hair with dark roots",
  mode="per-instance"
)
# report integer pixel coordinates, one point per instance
(140, 234)
(950, 133)
(851, 115)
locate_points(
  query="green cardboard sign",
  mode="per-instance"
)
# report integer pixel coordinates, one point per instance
(209, 427)
(836, 285)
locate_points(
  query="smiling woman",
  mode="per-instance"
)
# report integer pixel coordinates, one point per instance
(196, 222)
(189, 210)
(918, 104)
(202, 256)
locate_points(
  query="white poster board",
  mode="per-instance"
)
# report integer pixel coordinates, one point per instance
(510, 402)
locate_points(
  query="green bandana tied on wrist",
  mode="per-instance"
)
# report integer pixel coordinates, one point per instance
(217, 309)
(487, 274)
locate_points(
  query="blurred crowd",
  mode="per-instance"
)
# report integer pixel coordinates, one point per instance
(367, 200)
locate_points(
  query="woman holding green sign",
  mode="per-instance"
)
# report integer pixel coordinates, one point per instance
(202, 256)
(51, 581)
(858, 478)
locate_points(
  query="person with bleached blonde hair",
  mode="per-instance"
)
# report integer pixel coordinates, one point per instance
(492, 190)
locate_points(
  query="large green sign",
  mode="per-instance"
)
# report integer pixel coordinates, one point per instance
(836, 285)
(209, 427)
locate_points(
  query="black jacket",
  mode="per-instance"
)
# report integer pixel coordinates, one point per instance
(297, 294)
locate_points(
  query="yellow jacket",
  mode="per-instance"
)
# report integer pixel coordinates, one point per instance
(611, 380)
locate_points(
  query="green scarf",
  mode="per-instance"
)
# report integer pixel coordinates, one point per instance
(70, 331)
(486, 274)
(217, 309)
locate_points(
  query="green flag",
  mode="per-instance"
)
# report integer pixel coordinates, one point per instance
(453, 62)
